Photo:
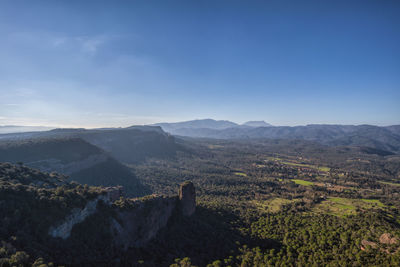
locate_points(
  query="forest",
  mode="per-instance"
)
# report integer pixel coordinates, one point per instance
(259, 203)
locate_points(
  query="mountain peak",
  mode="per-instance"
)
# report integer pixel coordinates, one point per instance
(256, 124)
(198, 124)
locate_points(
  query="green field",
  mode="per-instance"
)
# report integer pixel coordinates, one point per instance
(346, 206)
(374, 202)
(215, 146)
(274, 158)
(261, 166)
(323, 169)
(389, 183)
(303, 182)
(273, 205)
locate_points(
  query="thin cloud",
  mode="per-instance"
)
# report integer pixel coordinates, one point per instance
(25, 92)
(91, 45)
(87, 44)
(60, 41)
(11, 104)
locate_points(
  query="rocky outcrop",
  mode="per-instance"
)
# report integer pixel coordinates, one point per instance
(139, 224)
(187, 197)
(64, 229)
(136, 223)
(366, 244)
(387, 244)
(388, 239)
(114, 192)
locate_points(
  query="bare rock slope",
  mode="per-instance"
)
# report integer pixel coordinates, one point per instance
(135, 221)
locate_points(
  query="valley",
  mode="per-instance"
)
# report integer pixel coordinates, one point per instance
(265, 199)
(259, 202)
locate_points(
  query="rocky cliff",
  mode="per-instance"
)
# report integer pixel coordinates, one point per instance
(63, 229)
(187, 197)
(135, 226)
(134, 222)
(81, 161)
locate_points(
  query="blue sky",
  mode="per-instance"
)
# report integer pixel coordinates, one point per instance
(119, 63)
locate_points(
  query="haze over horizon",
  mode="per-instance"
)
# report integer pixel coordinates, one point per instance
(26, 128)
(99, 64)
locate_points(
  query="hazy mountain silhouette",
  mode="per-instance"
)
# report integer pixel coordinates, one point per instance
(197, 124)
(128, 145)
(19, 129)
(256, 124)
(382, 138)
(80, 160)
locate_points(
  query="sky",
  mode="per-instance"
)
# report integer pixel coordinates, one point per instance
(120, 63)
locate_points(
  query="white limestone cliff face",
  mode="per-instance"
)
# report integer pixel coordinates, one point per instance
(64, 229)
(136, 225)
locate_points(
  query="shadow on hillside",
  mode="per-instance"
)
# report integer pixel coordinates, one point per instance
(205, 237)
(112, 173)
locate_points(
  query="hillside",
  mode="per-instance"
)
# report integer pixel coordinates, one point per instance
(80, 160)
(46, 224)
(132, 144)
(127, 145)
(33, 151)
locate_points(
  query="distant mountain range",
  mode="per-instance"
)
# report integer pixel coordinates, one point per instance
(208, 124)
(19, 129)
(196, 124)
(136, 143)
(256, 124)
(383, 138)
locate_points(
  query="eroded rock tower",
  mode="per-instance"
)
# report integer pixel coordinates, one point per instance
(187, 197)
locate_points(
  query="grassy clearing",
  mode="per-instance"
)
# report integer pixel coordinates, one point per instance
(345, 206)
(295, 164)
(337, 188)
(215, 146)
(324, 169)
(389, 183)
(260, 166)
(274, 159)
(273, 205)
(302, 182)
(241, 174)
(374, 202)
